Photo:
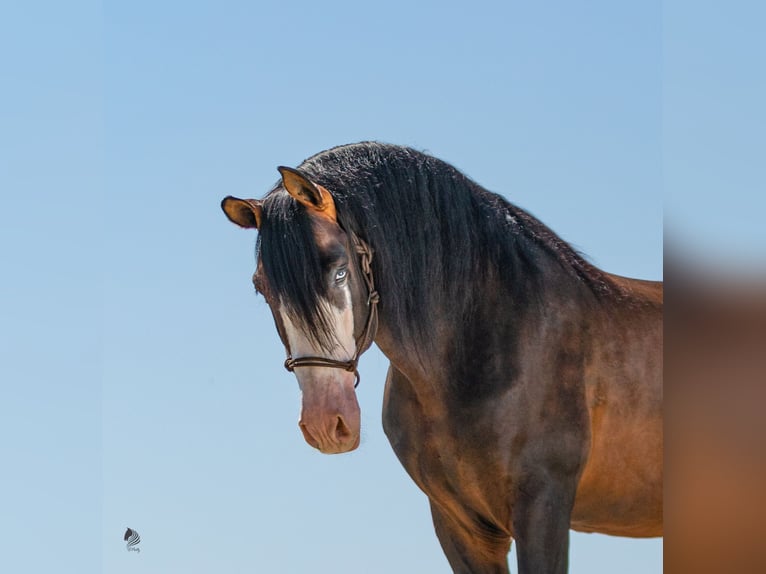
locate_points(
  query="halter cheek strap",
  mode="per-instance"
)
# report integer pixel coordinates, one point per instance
(370, 325)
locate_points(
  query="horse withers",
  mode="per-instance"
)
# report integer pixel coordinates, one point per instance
(524, 394)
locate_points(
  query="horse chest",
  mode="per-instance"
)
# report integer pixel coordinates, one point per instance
(457, 467)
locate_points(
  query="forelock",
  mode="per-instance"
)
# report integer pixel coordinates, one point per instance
(292, 266)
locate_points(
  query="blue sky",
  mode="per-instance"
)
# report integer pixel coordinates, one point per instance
(141, 377)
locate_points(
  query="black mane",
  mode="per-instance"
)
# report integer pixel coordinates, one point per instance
(434, 233)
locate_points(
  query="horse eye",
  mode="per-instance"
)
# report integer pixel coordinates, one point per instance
(340, 275)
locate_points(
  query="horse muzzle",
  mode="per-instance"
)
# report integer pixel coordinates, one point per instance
(330, 417)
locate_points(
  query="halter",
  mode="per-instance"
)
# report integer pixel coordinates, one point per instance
(368, 334)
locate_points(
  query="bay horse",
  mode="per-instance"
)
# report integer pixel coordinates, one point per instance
(524, 393)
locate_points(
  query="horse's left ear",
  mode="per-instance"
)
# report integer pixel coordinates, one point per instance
(312, 195)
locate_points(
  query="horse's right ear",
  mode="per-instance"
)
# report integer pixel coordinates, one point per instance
(246, 213)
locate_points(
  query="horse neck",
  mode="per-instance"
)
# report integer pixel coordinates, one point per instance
(463, 330)
(454, 254)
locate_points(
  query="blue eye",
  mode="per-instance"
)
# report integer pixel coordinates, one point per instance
(340, 275)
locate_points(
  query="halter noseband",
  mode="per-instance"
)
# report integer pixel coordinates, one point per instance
(368, 334)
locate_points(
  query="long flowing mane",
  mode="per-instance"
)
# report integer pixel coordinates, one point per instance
(432, 229)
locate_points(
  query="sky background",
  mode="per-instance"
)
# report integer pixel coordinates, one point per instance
(141, 378)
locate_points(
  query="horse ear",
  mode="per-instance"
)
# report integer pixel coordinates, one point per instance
(313, 196)
(246, 213)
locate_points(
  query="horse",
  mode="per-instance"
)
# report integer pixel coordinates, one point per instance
(524, 391)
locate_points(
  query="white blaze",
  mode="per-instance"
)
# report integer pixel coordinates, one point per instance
(342, 325)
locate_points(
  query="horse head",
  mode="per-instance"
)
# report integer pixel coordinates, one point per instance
(316, 279)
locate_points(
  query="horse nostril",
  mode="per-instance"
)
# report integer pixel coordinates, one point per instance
(307, 435)
(342, 432)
